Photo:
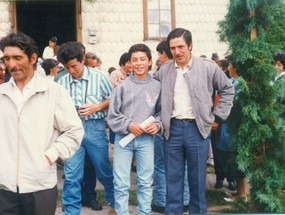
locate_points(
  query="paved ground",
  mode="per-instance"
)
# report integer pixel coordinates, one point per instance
(133, 211)
(132, 208)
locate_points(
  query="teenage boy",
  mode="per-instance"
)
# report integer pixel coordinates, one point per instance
(90, 91)
(133, 101)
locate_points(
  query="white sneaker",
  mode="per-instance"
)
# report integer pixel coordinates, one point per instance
(210, 161)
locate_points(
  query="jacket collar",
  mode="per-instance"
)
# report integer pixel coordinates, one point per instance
(40, 85)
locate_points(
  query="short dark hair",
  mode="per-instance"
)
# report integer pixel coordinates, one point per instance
(164, 47)
(281, 58)
(124, 59)
(223, 64)
(68, 51)
(111, 69)
(53, 39)
(178, 32)
(48, 64)
(22, 41)
(140, 48)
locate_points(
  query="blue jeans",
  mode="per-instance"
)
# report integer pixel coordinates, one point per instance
(71, 193)
(143, 146)
(95, 144)
(185, 143)
(159, 176)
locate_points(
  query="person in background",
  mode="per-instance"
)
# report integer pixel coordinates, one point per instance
(215, 57)
(226, 142)
(125, 70)
(51, 67)
(224, 64)
(93, 61)
(159, 201)
(49, 51)
(111, 69)
(188, 116)
(91, 104)
(48, 128)
(279, 63)
(99, 63)
(279, 80)
(2, 72)
(224, 156)
(132, 102)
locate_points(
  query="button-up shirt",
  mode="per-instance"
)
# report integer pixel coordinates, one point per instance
(92, 88)
(182, 108)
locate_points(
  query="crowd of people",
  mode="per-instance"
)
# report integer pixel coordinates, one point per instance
(165, 121)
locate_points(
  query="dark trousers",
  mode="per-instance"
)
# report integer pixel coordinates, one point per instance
(225, 165)
(89, 181)
(185, 143)
(35, 203)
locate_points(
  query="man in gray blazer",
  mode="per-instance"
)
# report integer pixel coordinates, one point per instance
(188, 115)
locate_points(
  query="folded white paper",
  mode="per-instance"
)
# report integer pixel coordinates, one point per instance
(123, 142)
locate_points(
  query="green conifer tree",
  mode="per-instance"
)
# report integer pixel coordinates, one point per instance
(254, 31)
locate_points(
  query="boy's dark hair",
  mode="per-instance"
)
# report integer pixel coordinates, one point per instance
(223, 64)
(22, 41)
(48, 64)
(230, 58)
(163, 47)
(281, 58)
(124, 59)
(111, 69)
(140, 48)
(178, 32)
(68, 51)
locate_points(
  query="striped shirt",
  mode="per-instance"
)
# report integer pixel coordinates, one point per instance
(92, 88)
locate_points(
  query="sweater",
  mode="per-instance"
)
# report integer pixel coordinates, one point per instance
(133, 101)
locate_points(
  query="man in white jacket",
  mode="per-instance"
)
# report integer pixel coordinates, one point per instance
(38, 125)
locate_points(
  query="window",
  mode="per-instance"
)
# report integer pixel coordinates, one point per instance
(158, 18)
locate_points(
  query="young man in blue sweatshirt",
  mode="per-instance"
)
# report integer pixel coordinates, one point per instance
(132, 102)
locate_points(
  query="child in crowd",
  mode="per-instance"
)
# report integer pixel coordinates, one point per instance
(132, 102)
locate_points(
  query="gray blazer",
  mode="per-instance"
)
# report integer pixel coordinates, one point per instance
(203, 78)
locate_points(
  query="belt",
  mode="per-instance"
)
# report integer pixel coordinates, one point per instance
(185, 120)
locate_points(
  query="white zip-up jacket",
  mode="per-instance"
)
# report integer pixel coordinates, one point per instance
(48, 125)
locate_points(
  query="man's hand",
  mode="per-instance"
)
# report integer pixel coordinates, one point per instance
(215, 126)
(152, 128)
(48, 160)
(87, 109)
(136, 129)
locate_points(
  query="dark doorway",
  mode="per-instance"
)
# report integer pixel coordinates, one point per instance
(46, 18)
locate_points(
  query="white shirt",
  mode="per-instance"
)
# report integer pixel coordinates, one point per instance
(48, 52)
(182, 108)
(279, 76)
(20, 97)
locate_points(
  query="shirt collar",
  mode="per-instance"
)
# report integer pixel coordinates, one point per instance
(29, 85)
(188, 65)
(280, 75)
(84, 76)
